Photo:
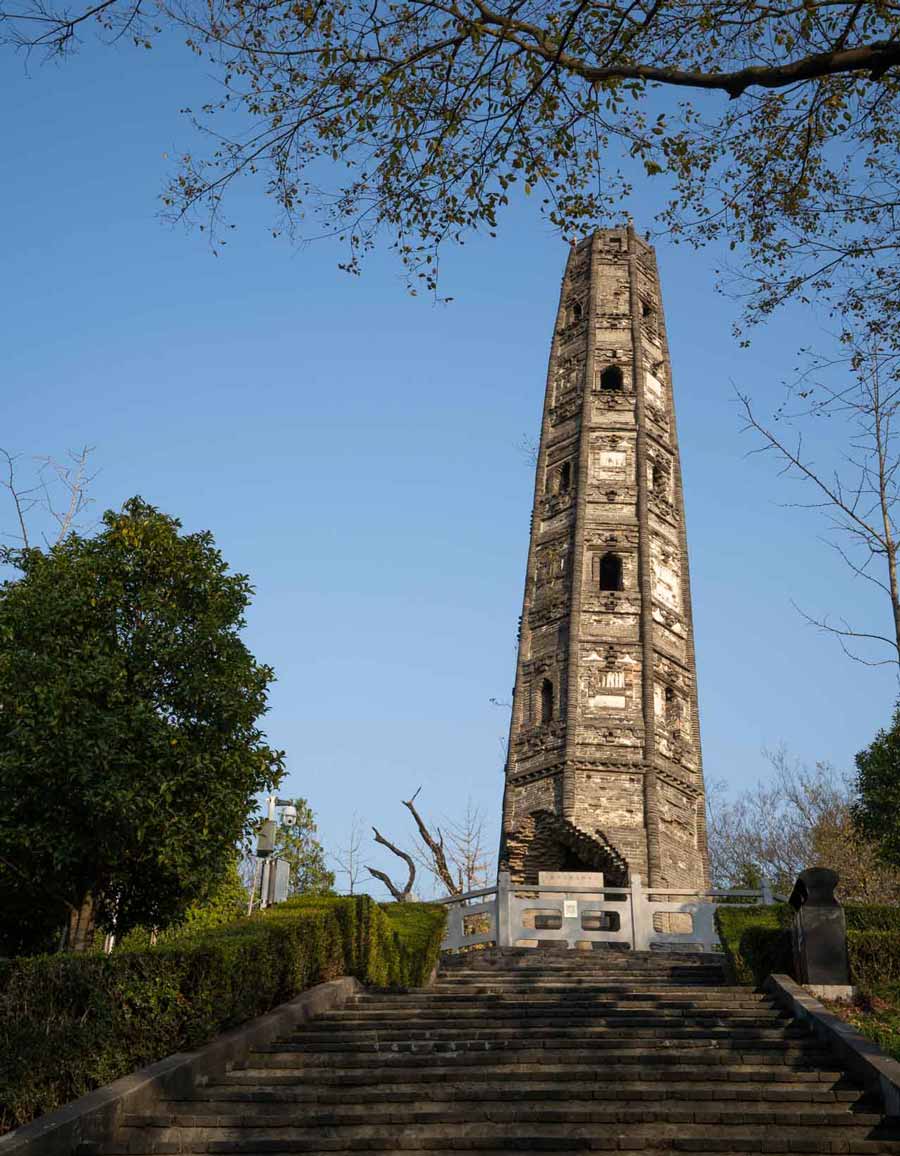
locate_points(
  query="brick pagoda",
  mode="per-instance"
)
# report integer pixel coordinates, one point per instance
(604, 769)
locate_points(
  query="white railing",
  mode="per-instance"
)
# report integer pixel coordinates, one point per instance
(639, 917)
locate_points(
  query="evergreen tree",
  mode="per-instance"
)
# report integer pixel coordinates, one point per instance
(305, 854)
(877, 812)
(130, 752)
(227, 902)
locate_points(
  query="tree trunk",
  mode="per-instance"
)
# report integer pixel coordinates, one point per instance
(81, 925)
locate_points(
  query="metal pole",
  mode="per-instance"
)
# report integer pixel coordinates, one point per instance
(254, 886)
(264, 888)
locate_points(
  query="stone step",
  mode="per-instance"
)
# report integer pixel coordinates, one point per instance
(603, 1006)
(624, 965)
(622, 1014)
(579, 960)
(500, 1018)
(473, 986)
(621, 1142)
(510, 1074)
(542, 1007)
(550, 955)
(508, 1064)
(613, 991)
(576, 963)
(274, 1117)
(540, 1025)
(548, 1003)
(547, 1023)
(602, 1035)
(701, 977)
(611, 1049)
(540, 1089)
(499, 1015)
(626, 972)
(703, 1135)
(540, 1052)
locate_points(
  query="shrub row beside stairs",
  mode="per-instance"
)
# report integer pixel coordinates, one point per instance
(71, 1023)
(757, 942)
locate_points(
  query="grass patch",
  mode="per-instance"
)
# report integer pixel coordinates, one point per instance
(876, 1015)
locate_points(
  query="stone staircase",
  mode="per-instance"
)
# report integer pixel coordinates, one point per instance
(539, 1051)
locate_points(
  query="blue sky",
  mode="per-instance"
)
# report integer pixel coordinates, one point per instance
(357, 452)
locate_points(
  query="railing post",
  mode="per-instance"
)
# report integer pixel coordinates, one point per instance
(501, 911)
(641, 921)
(453, 929)
(767, 896)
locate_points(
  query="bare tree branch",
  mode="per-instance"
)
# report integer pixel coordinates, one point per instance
(799, 817)
(435, 847)
(467, 850)
(858, 496)
(72, 478)
(402, 895)
(348, 857)
(22, 499)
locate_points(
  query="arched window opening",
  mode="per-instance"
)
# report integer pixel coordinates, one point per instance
(576, 312)
(610, 572)
(546, 702)
(646, 309)
(657, 477)
(673, 709)
(565, 477)
(611, 378)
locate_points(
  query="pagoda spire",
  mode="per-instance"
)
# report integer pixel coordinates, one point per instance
(604, 768)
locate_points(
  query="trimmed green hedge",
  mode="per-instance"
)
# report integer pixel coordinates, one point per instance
(874, 958)
(420, 945)
(72, 1023)
(756, 941)
(868, 917)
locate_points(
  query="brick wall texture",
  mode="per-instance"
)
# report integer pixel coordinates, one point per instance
(605, 736)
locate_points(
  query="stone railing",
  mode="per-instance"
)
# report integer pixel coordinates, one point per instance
(638, 917)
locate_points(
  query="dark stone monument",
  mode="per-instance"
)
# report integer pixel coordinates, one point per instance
(819, 932)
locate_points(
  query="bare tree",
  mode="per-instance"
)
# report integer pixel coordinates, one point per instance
(468, 856)
(434, 856)
(401, 894)
(800, 818)
(458, 863)
(348, 858)
(858, 497)
(528, 448)
(58, 490)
